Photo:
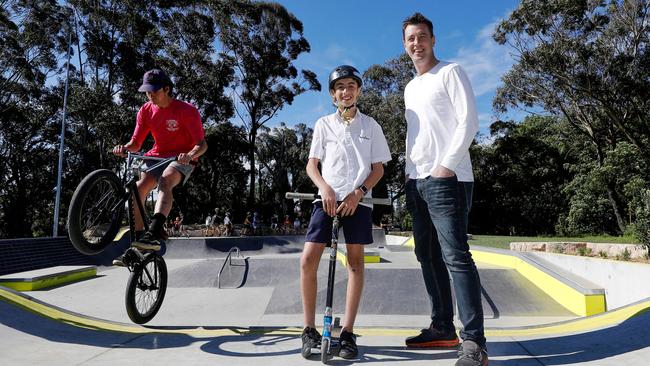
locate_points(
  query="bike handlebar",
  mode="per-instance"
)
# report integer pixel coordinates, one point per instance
(142, 156)
(312, 196)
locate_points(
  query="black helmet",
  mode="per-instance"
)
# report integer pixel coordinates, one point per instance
(342, 72)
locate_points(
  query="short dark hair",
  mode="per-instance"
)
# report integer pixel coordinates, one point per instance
(414, 19)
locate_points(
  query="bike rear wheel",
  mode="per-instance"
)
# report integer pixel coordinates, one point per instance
(95, 212)
(146, 289)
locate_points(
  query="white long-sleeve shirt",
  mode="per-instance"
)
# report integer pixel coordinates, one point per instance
(442, 122)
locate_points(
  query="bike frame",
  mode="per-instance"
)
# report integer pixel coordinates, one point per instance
(131, 188)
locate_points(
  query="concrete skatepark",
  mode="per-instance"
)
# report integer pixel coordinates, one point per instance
(254, 315)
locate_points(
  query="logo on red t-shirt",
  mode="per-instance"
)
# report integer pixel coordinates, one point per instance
(172, 125)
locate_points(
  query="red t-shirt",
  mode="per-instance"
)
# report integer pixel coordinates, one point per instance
(175, 129)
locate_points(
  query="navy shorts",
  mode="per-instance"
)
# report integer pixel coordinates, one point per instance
(357, 229)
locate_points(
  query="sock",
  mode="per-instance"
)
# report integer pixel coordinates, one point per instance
(157, 224)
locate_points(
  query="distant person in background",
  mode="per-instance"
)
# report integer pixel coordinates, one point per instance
(256, 221)
(286, 224)
(297, 225)
(227, 222)
(274, 222)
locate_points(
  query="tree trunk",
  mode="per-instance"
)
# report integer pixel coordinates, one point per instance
(251, 159)
(615, 201)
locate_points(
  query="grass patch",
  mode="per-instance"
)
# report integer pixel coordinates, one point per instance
(503, 242)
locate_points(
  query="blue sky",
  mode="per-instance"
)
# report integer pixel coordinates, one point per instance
(364, 32)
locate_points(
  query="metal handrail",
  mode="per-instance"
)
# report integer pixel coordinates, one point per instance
(229, 261)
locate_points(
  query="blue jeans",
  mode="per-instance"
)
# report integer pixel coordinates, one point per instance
(439, 208)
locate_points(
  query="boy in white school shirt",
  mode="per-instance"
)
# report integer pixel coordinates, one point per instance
(351, 149)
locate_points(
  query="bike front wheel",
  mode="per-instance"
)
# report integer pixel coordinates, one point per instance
(95, 212)
(146, 289)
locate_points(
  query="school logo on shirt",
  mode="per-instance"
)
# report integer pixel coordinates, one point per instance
(172, 125)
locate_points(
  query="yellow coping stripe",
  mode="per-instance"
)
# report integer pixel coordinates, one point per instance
(49, 281)
(367, 258)
(123, 230)
(575, 301)
(574, 326)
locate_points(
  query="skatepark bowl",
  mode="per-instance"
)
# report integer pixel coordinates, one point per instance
(248, 309)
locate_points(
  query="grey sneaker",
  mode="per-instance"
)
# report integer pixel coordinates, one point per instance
(148, 241)
(471, 354)
(310, 342)
(119, 261)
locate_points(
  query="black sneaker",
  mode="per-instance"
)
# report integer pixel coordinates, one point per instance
(148, 241)
(433, 337)
(471, 354)
(348, 342)
(310, 342)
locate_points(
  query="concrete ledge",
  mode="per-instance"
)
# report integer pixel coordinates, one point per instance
(573, 292)
(607, 250)
(47, 277)
(370, 255)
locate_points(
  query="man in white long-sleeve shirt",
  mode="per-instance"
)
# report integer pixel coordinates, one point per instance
(442, 121)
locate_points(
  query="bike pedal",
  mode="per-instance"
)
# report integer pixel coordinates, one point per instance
(130, 257)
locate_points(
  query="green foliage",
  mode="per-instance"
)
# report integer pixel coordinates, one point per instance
(113, 44)
(589, 62)
(263, 40)
(641, 226)
(32, 36)
(382, 98)
(519, 177)
(282, 154)
(626, 255)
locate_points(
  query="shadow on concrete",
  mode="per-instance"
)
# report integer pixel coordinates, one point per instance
(629, 336)
(263, 345)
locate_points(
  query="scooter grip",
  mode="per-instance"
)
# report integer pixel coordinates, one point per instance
(300, 196)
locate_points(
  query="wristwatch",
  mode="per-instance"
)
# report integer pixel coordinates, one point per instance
(363, 189)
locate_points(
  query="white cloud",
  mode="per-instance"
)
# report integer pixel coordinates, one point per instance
(326, 60)
(485, 120)
(484, 60)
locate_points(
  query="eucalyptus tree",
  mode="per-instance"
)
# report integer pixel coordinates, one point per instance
(32, 37)
(263, 40)
(282, 155)
(587, 61)
(383, 98)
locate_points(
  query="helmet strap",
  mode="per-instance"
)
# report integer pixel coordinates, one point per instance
(346, 112)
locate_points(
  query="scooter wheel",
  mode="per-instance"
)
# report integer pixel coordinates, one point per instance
(325, 351)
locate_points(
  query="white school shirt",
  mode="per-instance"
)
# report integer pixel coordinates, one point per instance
(347, 151)
(442, 122)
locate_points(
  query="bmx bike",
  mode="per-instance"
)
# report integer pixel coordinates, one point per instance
(95, 217)
(329, 343)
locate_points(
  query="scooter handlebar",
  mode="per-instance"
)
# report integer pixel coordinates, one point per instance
(312, 196)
